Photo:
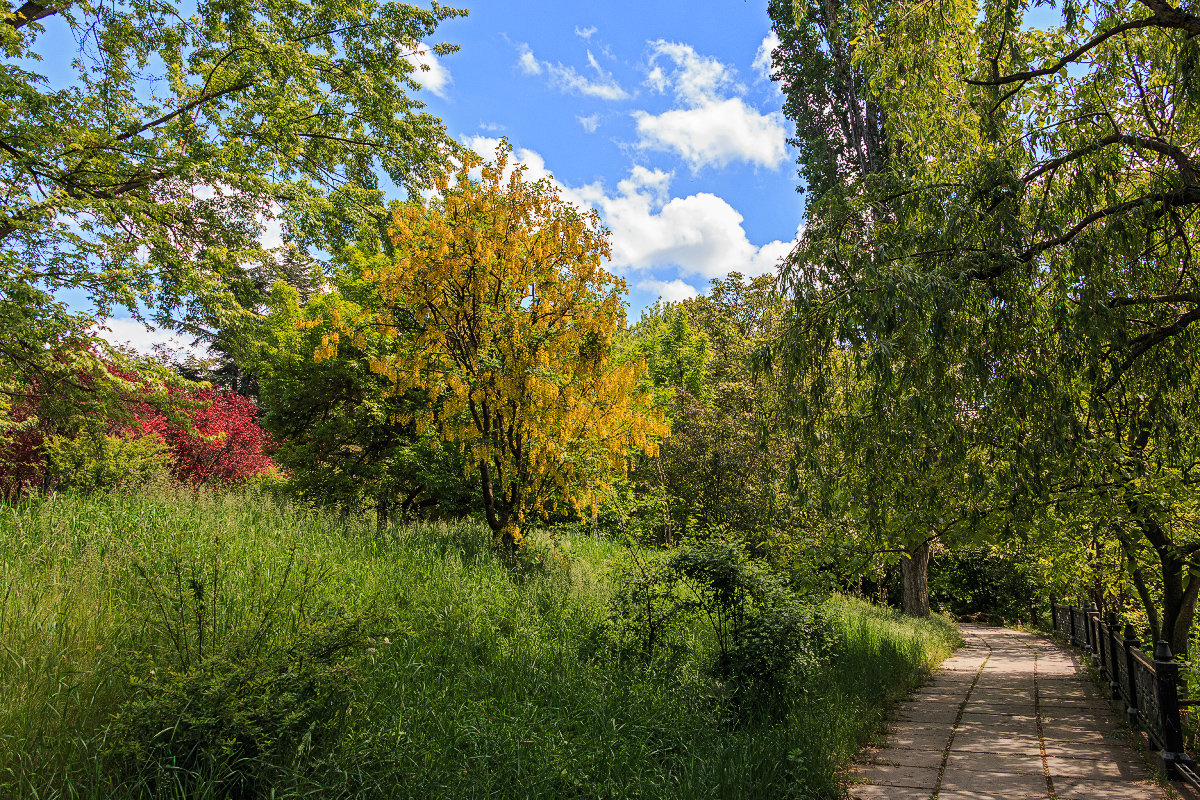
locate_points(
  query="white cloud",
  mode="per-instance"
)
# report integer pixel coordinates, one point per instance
(700, 234)
(430, 73)
(145, 338)
(762, 59)
(712, 124)
(527, 62)
(567, 79)
(696, 79)
(590, 123)
(716, 134)
(669, 291)
(585, 33)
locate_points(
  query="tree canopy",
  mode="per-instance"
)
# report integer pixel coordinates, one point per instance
(142, 165)
(1027, 259)
(493, 302)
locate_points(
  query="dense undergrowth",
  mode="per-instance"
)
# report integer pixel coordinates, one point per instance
(183, 645)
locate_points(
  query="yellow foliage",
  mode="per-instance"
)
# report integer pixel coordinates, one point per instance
(514, 321)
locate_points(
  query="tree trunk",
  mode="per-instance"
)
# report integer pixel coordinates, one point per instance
(1180, 583)
(914, 579)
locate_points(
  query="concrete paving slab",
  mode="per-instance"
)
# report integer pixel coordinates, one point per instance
(899, 775)
(897, 756)
(869, 792)
(996, 763)
(1107, 790)
(1002, 794)
(976, 723)
(962, 780)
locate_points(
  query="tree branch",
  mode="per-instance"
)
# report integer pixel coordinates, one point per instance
(31, 12)
(1017, 77)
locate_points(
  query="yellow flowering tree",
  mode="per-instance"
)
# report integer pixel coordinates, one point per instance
(494, 304)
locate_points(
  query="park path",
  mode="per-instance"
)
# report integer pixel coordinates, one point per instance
(1010, 716)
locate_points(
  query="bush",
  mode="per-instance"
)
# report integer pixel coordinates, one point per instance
(234, 696)
(978, 580)
(236, 721)
(91, 463)
(767, 638)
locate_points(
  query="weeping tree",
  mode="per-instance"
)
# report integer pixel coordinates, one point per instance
(877, 451)
(1031, 243)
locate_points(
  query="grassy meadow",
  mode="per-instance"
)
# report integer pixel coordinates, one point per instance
(182, 645)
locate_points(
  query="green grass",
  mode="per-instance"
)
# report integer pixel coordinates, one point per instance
(463, 677)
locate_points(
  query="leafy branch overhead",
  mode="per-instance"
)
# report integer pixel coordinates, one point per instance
(143, 165)
(1021, 269)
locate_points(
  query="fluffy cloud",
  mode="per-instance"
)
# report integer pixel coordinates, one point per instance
(698, 235)
(711, 126)
(590, 123)
(669, 291)
(147, 339)
(716, 134)
(567, 79)
(762, 59)
(430, 73)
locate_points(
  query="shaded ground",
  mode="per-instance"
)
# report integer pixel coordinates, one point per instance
(1011, 716)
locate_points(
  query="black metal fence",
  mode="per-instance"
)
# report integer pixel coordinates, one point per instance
(1148, 688)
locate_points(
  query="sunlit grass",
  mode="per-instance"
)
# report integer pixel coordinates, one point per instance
(475, 681)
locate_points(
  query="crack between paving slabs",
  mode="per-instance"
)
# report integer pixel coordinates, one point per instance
(1037, 713)
(937, 786)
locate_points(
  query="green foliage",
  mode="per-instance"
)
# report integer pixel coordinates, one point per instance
(676, 352)
(92, 462)
(767, 639)
(171, 135)
(342, 439)
(724, 465)
(1010, 281)
(980, 579)
(474, 685)
(239, 721)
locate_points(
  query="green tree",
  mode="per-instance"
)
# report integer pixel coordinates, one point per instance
(343, 440)
(142, 175)
(876, 454)
(1032, 243)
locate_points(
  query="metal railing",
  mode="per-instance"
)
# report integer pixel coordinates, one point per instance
(1148, 688)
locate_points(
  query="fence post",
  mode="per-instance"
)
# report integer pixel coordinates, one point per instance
(1091, 615)
(1054, 614)
(1131, 706)
(1110, 643)
(1166, 686)
(1071, 614)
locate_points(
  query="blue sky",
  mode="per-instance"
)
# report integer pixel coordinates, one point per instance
(657, 114)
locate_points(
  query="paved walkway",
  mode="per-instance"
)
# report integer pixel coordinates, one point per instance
(1010, 716)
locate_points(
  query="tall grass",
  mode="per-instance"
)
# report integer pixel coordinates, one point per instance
(468, 677)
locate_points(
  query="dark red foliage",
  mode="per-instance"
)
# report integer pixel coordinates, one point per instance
(214, 438)
(224, 445)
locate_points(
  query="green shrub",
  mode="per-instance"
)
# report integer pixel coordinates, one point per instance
(239, 720)
(974, 580)
(92, 463)
(233, 695)
(767, 639)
